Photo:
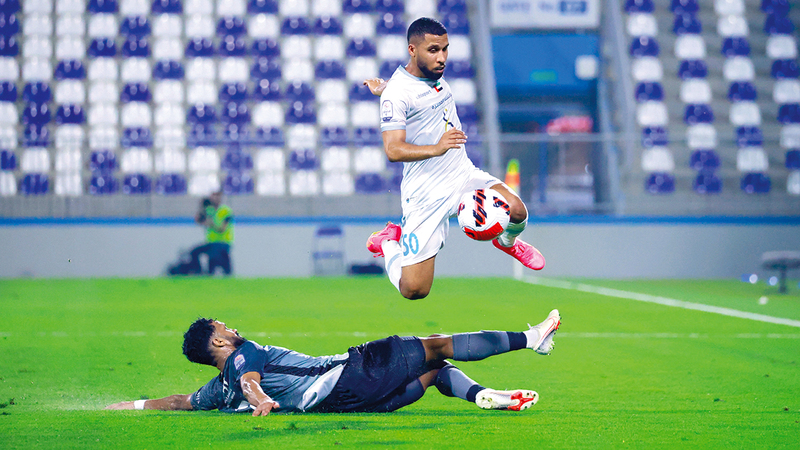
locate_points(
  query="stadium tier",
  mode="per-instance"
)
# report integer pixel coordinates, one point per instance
(177, 97)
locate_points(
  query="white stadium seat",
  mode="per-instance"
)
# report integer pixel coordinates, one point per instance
(232, 70)
(460, 48)
(136, 70)
(337, 184)
(70, 47)
(68, 184)
(331, 91)
(136, 115)
(103, 137)
(336, 159)
(781, 46)
(701, 136)
(293, 8)
(227, 8)
(35, 160)
(268, 115)
(786, 91)
(320, 8)
(328, 48)
(332, 115)
(642, 24)
(262, 26)
(201, 69)
(790, 137)
(365, 114)
(745, 114)
(271, 184)
(8, 184)
(38, 47)
(70, 25)
(103, 26)
(359, 25)
(296, 47)
(649, 114)
(647, 69)
(793, 182)
(361, 68)
(729, 26)
(199, 7)
(204, 159)
(70, 92)
(70, 6)
(136, 160)
(168, 49)
(134, 7)
(392, 48)
(695, 90)
(37, 6)
(751, 159)
(199, 26)
(203, 184)
(738, 68)
(9, 69)
(301, 136)
(202, 93)
(464, 91)
(37, 25)
(103, 92)
(103, 114)
(729, 7)
(304, 183)
(167, 26)
(8, 114)
(298, 70)
(369, 160)
(37, 69)
(170, 114)
(68, 160)
(168, 91)
(657, 159)
(170, 137)
(103, 69)
(69, 136)
(8, 137)
(170, 160)
(270, 159)
(690, 46)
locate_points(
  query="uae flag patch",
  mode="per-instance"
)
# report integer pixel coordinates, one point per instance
(437, 87)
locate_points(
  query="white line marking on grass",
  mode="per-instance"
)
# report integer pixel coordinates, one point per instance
(361, 334)
(609, 292)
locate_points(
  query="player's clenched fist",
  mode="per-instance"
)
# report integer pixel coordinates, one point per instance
(452, 138)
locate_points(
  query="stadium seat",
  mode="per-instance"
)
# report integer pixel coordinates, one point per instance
(389, 24)
(695, 90)
(68, 160)
(793, 183)
(336, 159)
(778, 24)
(70, 114)
(70, 48)
(643, 46)
(369, 160)
(686, 23)
(699, 113)
(660, 183)
(742, 91)
(690, 46)
(328, 48)
(749, 136)
(751, 159)
(35, 160)
(398, 7)
(793, 160)
(136, 184)
(102, 48)
(268, 114)
(103, 185)
(781, 47)
(8, 184)
(168, 6)
(136, 26)
(456, 23)
(9, 24)
(299, 112)
(199, 48)
(270, 159)
(37, 69)
(103, 114)
(103, 161)
(238, 183)
(360, 93)
(70, 70)
(684, 6)
(366, 136)
(296, 47)
(266, 69)
(370, 183)
(69, 136)
(328, 25)
(168, 70)
(101, 137)
(135, 92)
(692, 69)
(364, 114)
(68, 184)
(639, 6)
(334, 136)
(35, 47)
(701, 136)
(657, 159)
(233, 92)
(303, 160)
(388, 68)
(204, 7)
(8, 114)
(168, 26)
(171, 136)
(649, 114)
(231, 7)
(775, 6)
(137, 137)
(298, 70)
(199, 27)
(271, 184)
(169, 114)
(168, 91)
(295, 26)
(359, 25)
(738, 68)
(756, 183)
(103, 26)
(789, 113)
(705, 160)
(790, 137)
(37, 92)
(707, 182)
(654, 136)
(9, 69)
(263, 26)
(735, 46)
(8, 92)
(168, 49)
(201, 69)
(338, 183)
(361, 47)
(8, 160)
(136, 160)
(66, 25)
(642, 24)
(330, 70)
(136, 115)
(265, 48)
(729, 7)
(266, 90)
(322, 8)
(170, 160)
(745, 114)
(231, 26)
(37, 25)
(36, 136)
(233, 70)
(732, 26)
(238, 160)
(32, 114)
(332, 115)
(34, 184)
(784, 68)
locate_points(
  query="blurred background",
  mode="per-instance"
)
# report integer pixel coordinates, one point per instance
(649, 138)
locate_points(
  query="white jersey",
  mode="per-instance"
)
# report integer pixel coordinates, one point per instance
(425, 109)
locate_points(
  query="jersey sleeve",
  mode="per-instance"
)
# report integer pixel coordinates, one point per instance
(250, 358)
(209, 396)
(394, 110)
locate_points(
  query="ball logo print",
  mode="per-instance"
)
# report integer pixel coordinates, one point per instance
(483, 214)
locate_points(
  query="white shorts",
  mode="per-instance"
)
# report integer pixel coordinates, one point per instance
(425, 227)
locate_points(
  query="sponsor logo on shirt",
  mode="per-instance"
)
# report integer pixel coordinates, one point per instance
(238, 362)
(442, 101)
(386, 111)
(424, 94)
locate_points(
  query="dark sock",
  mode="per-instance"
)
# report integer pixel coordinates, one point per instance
(517, 340)
(483, 344)
(452, 382)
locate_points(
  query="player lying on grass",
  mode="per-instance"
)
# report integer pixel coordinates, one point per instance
(421, 128)
(379, 376)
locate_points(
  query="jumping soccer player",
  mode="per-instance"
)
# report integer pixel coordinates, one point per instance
(421, 128)
(379, 376)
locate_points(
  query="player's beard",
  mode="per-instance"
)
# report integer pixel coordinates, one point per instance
(238, 341)
(429, 74)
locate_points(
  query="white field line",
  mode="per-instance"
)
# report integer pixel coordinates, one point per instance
(609, 292)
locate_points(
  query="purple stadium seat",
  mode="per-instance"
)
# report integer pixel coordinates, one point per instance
(699, 113)
(475, 156)
(446, 6)
(328, 25)
(639, 6)
(356, 6)
(390, 6)
(393, 24)
(199, 47)
(135, 26)
(387, 68)
(395, 182)
(236, 132)
(238, 183)
(775, 6)
(742, 91)
(201, 115)
(235, 113)
(793, 159)
(70, 70)
(644, 46)
(236, 159)
(333, 136)
(298, 91)
(735, 46)
(778, 24)
(266, 90)
(270, 137)
(756, 183)
(37, 92)
(70, 114)
(707, 182)
(456, 23)
(8, 160)
(8, 46)
(686, 23)
(361, 47)
(136, 184)
(171, 184)
(467, 113)
(9, 24)
(295, 25)
(360, 93)
(266, 69)
(201, 135)
(102, 6)
(36, 114)
(233, 92)
(9, 6)
(704, 160)
(684, 6)
(648, 91)
(654, 136)
(102, 161)
(785, 68)
(366, 137)
(168, 70)
(103, 185)
(262, 7)
(458, 69)
(749, 137)
(34, 184)
(370, 183)
(473, 131)
(300, 112)
(135, 92)
(137, 137)
(789, 113)
(167, 7)
(8, 92)
(101, 48)
(36, 136)
(303, 160)
(660, 183)
(265, 47)
(231, 26)
(232, 46)
(332, 69)
(693, 68)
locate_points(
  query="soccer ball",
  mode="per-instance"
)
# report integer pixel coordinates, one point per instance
(483, 214)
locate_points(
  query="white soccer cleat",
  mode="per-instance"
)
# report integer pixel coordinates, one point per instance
(540, 337)
(507, 400)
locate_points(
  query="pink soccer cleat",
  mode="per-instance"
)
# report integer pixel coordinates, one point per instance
(524, 253)
(391, 232)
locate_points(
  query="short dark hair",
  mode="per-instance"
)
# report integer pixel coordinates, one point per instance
(423, 26)
(197, 342)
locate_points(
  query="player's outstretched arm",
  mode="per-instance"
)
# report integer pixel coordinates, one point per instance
(398, 150)
(178, 402)
(375, 85)
(251, 387)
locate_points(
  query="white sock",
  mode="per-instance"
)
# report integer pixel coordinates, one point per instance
(513, 230)
(392, 257)
(533, 337)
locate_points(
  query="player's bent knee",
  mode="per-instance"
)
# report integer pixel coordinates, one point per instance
(414, 292)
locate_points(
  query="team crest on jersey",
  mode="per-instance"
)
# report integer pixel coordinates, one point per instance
(238, 362)
(386, 111)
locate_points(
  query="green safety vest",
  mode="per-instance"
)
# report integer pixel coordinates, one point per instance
(219, 216)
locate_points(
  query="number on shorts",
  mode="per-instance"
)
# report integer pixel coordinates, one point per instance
(410, 244)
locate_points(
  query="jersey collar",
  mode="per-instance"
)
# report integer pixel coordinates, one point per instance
(426, 80)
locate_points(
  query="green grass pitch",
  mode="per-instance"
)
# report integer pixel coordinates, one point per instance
(624, 374)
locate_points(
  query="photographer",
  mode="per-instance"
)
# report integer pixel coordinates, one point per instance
(218, 220)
